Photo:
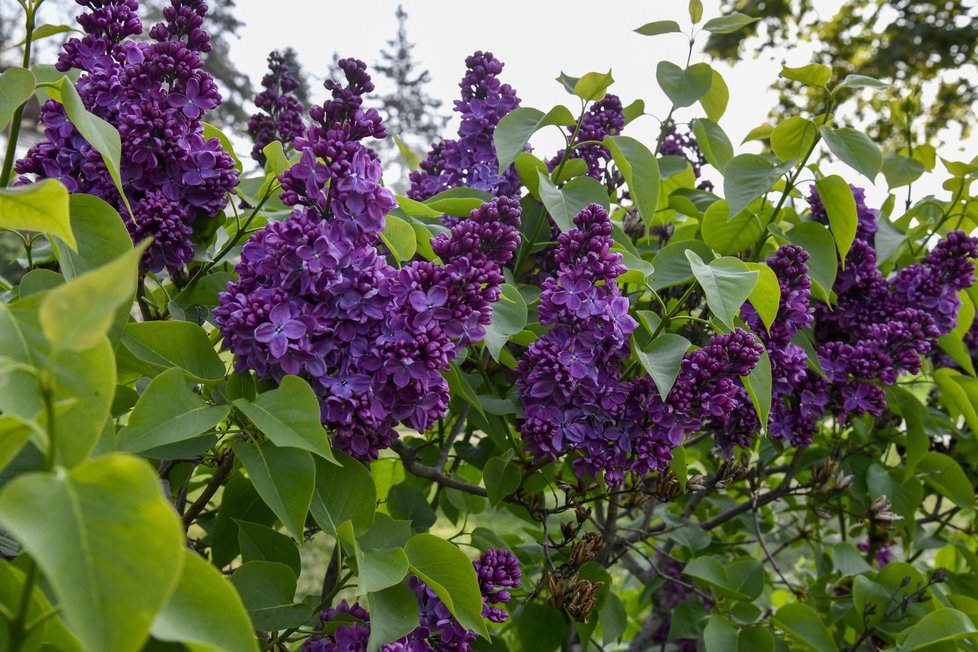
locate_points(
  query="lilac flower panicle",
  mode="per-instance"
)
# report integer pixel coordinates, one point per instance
(155, 93)
(684, 145)
(470, 160)
(281, 116)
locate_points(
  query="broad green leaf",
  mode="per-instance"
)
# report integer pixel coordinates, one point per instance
(803, 625)
(756, 638)
(380, 569)
(662, 359)
(515, 129)
(613, 619)
(823, 262)
(459, 385)
(840, 205)
(593, 86)
(343, 493)
(205, 611)
(714, 143)
(711, 571)
(565, 203)
(714, 103)
(759, 386)
(792, 138)
(760, 132)
(100, 134)
(41, 206)
(71, 319)
(855, 149)
(766, 297)
(285, 479)
(101, 236)
(848, 560)
(393, 614)
(261, 543)
(688, 620)
(726, 282)
(501, 478)
(955, 397)
(509, 315)
(901, 170)
(16, 87)
(399, 237)
(730, 235)
(541, 628)
(108, 542)
(290, 416)
(814, 74)
(913, 412)
(641, 171)
(953, 343)
(941, 626)
(634, 110)
(168, 413)
(946, 477)
(719, 635)
(748, 176)
(684, 87)
(450, 574)
(728, 24)
(14, 434)
(267, 589)
(180, 344)
(210, 131)
(239, 502)
(527, 166)
(672, 266)
(861, 81)
(50, 633)
(658, 27)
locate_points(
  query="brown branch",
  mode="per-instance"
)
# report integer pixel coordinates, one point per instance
(220, 474)
(411, 464)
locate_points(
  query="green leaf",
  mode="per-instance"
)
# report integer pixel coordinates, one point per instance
(730, 235)
(728, 24)
(662, 359)
(855, 149)
(941, 626)
(410, 157)
(759, 386)
(901, 170)
(527, 165)
(823, 262)
(726, 282)
(792, 138)
(913, 412)
(267, 589)
(814, 74)
(719, 635)
(100, 134)
(290, 416)
(210, 131)
(593, 86)
(761, 132)
(953, 343)
(107, 541)
(755, 638)
(541, 628)
(748, 176)
(71, 319)
(501, 478)
(16, 87)
(515, 129)
(955, 397)
(168, 413)
(613, 619)
(41, 206)
(344, 493)
(381, 569)
(285, 479)
(946, 477)
(205, 611)
(658, 27)
(711, 571)
(840, 205)
(101, 237)
(672, 266)
(509, 315)
(641, 171)
(261, 543)
(393, 614)
(450, 574)
(14, 434)
(400, 238)
(634, 110)
(695, 11)
(849, 561)
(684, 87)
(459, 385)
(861, 81)
(803, 625)
(714, 142)
(766, 297)
(714, 103)
(180, 344)
(565, 203)
(50, 632)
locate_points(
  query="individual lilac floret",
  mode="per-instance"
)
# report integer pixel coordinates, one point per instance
(155, 93)
(281, 115)
(604, 118)
(470, 160)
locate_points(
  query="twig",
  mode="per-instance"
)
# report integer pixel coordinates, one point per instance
(220, 474)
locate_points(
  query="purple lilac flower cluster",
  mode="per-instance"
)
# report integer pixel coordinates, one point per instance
(570, 380)
(281, 116)
(155, 93)
(316, 298)
(604, 118)
(684, 145)
(497, 570)
(470, 160)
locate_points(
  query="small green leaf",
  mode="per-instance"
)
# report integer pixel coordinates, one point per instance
(450, 574)
(393, 614)
(719, 635)
(658, 27)
(501, 478)
(565, 203)
(861, 81)
(855, 149)
(210, 131)
(840, 205)
(459, 385)
(16, 87)
(714, 142)
(71, 319)
(946, 477)
(766, 297)
(41, 206)
(672, 266)
(267, 589)
(290, 416)
(730, 235)
(285, 479)
(695, 11)
(344, 493)
(714, 103)
(792, 138)
(399, 237)
(641, 171)
(100, 233)
(662, 359)
(541, 628)
(814, 74)
(748, 176)
(180, 344)
(262, 543)
(803, 625)
(727, 283)
(515, 129)
(684, 87)
(509, 315)
(728, 24)
(408, 155)
(823, 261)
(593, 86)
(901, 170)
(759, 386)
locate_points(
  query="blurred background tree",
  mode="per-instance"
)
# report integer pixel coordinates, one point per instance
(925, 45)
